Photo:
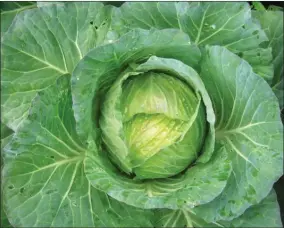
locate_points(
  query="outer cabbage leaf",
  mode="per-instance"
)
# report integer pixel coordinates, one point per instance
(193, 188)
(6, 135)
(43, 178)
(272, 24)
(43, 44)
(252, 136)
(43, 4)
(264, 214)
(216, 23)
(279, 92)
(9, 10)
(4, 220)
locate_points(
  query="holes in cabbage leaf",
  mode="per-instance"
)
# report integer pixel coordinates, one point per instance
(52, 157)
(255, 32)
(11, 187)
(91, 23)
(264, 44)
(22, 190)
(243, 26)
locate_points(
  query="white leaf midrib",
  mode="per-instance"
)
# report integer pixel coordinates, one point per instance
(55, 164)
(222, 133)
(39, 59)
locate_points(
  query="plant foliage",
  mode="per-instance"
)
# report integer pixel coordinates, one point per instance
(148, 114)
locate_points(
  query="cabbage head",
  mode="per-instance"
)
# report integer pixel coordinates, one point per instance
(148, 114)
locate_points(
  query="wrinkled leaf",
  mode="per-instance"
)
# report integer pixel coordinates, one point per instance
(44, 180)
(252, 136)
(6, 136)
(264, 214)
(9, 11)
(43, 44)
(215, 23)
(272, 23)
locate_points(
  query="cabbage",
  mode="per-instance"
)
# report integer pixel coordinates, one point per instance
(150, 114)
